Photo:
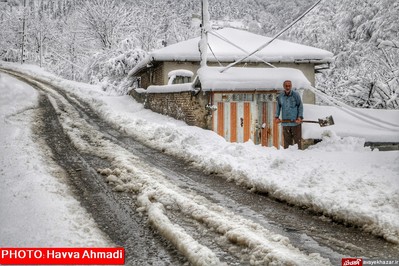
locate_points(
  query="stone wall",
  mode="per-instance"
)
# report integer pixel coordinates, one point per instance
(184, 106)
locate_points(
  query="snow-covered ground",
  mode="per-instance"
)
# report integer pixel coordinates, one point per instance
(36, 207)
(338, 177)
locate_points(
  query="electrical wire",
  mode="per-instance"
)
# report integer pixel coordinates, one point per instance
(218, 35)
(275, 37)
(355, 113)
(210, 48)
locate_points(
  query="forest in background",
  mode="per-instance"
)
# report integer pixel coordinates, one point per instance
(99, 41)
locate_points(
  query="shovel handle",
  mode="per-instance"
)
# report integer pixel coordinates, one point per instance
(303, 121)
(328, 121)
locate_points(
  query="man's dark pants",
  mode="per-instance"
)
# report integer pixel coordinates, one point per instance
(292, 135)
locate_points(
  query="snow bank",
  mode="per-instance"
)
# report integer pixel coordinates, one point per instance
(367, 180)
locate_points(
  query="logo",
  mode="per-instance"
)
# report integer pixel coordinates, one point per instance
(352, 261)
(62, 256)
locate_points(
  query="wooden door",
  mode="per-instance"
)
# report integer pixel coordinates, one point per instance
(271, 133)
(234, 120)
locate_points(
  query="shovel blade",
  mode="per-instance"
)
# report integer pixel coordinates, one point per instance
(328, 121)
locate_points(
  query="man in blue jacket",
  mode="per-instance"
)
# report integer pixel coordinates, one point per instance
(289, 103)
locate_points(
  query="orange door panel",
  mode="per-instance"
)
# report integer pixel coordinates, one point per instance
(233, 122)
(220, 120)
(265, 130)
(247, 121)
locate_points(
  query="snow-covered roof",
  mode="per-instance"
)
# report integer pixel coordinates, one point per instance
(242, 78)
(277, 51)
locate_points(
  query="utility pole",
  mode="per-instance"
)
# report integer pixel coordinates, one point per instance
(23, 35)
(203, 45)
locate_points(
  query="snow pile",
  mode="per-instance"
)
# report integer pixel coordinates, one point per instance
(333, 143)
(196, 253)
(308, 178)
(267, 248)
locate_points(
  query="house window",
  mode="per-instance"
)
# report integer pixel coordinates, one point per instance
(269, 97)
(181, 79)
(227, 97)
(243, 97)
(137, 83)
(180, 76)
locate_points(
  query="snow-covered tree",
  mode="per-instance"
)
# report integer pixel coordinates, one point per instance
(10, 38)
(110, 67)
(106, 21)
(365, 69)
(71, 35)
(67, 51)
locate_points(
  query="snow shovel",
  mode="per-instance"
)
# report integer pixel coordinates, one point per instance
(328, 121)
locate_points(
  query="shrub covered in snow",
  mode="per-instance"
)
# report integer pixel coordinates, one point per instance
(110, 67)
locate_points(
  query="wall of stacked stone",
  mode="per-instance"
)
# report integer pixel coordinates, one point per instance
(184, 106)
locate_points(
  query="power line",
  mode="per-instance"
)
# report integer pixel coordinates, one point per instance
(275, 37)
(214, 33)
(355, 113)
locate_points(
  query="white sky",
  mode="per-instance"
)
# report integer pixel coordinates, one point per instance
(338, 176)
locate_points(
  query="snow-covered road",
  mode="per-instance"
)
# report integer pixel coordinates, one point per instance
(37, 208)
(187, 215)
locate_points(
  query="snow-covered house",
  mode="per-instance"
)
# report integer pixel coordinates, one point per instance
(243, 101)
(237, 103)
(227, 45)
